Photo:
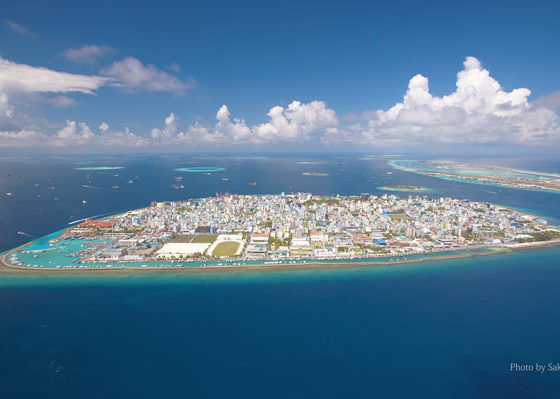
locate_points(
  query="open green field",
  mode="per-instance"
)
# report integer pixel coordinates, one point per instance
(182, 238)
(205, 238)
(396, 216)
(226, 248)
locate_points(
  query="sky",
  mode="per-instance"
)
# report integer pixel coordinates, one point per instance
(369, 76)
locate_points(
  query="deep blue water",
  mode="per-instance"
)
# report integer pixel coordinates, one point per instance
(436, 329)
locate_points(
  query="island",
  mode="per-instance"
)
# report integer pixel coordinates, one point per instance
(285, 229)
(95, 168)
(314, 174)
(405, 188)
(200, 169)
(482, 174)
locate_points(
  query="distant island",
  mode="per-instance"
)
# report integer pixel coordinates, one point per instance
(286, 229)
(200, 169)
(92, 168)
(482, 174)
(404, 188)
(314, 174)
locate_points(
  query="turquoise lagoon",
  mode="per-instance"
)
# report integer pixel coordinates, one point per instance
(200, 169)
(58, 256)
(420, 167)
(93, 168)
(418, 190)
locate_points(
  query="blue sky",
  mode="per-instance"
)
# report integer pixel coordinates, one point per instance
(342, 62)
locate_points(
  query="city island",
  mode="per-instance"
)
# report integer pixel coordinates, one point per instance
(237, 231)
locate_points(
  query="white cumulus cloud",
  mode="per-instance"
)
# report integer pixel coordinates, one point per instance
(478, 111)
(167, 132)
(73, 135)
(131, 73)
(76, 133)
(297, 122)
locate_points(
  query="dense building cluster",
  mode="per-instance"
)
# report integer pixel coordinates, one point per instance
(303, 225)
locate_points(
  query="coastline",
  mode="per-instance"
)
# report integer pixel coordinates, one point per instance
(6, 267)
(468, 179)
(406, 190)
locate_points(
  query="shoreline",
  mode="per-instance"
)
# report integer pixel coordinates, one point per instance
(474, 179)
(6, 267)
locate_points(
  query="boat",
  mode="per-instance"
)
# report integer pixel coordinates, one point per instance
(130, 181)
(115, 187)
(252, 183)
(178, 178)
(50, 187)
(389, 173)
(55, 198)
(84, 202)
(9, 194)
(178, 187)
(225, 178)
(36, 185)
(207, 173)
(116, 175)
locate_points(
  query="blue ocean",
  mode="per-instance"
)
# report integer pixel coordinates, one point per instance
(437, 329)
